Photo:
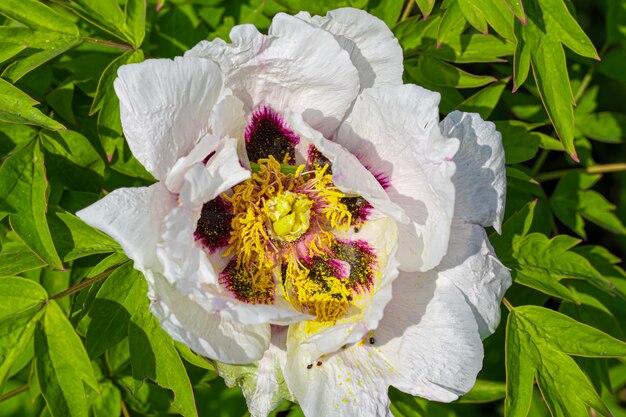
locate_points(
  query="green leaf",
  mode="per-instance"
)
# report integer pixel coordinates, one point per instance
(127, 26)
(108, 403)
(154, 356)
(613, 64)
(19, 68)
(387, 10)
(608, 127)
(443, 74)
(473, 12)
(616, 21)
(117, 300)
(37, 15)
(540, 263)
(105, 84)
(573, 201)
(23, 189)
(60, 100)
(538, 342)
(17, 107)
(469, 48)
(518, 9)
(8, 51)
(62, 365)
(520, 144)
(485, 391)
(426, 7)
(540, 45)
(72, 161)
(20, 308)
(16, 257)
(74, 239)
(452, 23)
(484, 101)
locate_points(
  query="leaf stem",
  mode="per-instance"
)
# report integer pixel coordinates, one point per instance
(584, 83)
(507, 303)
(105, 42)
(13, 392)
(596, 169)
(125, 412)
(407, 10)
(85, 283)
(540, 160)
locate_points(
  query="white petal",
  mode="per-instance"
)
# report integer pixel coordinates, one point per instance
(203, 148)
(480, 178)
(133, 217)
(314, 340)
(184, 263)
(296, 67)
(205, 332)
(228, 118)
(430, 337)
(349, 175)
(373, 48)
(204, 182)
(471, 264)
(165, 108)
(262, 383)
(394, 132)
(349, 383)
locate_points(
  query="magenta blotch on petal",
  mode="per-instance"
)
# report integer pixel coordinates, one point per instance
(268, 134)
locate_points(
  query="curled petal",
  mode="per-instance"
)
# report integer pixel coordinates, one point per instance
(206, 332)
(165, 108)
(134, 218)
(430, 337)
(296, 67)
(205, 181)
(373, 49)
(394, 132)
(480, 178)
(471, 264)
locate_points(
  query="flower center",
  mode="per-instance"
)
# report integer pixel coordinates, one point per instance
(282, 243)
(290, 214)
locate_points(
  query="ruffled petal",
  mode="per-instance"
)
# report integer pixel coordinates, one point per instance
(176, 176)
(205, 181)
(430, 337)
(183, 262)
(315, 338)
(188, 267)
(296, 67)
(165, 107)
(350, 383)
(134, 218)
(394, 132)
(471, 264)
(205, 332)
(373, 48)
(480, 178)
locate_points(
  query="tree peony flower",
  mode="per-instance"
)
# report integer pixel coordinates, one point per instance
(312, 220)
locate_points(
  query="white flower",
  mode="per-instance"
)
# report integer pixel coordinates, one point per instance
(312, 217)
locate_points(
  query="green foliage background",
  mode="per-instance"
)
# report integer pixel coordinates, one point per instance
(76, 338)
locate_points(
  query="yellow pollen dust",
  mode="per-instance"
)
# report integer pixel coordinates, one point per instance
(272, 210)
(290, 214)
